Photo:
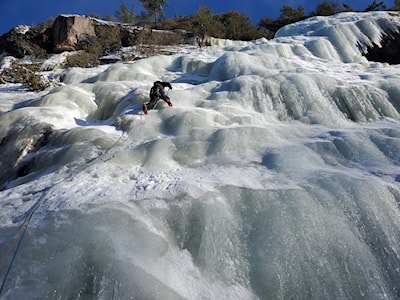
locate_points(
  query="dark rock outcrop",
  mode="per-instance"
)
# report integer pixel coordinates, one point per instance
(75, 32)
(67, 33)
(24, 40)
(21, 146)
(388, 52)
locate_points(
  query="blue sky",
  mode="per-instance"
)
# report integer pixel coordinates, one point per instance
(30, 12)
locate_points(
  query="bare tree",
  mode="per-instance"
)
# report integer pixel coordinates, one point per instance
(376, 6)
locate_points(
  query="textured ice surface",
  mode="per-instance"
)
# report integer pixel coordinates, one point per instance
(274, 176)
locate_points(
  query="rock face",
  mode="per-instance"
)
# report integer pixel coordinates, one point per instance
(389, 51)
(69, 32)
(75, 32)
(22, 41)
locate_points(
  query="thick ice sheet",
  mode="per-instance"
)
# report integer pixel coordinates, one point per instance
(275, 175)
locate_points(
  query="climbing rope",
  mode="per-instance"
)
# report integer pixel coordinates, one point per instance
(16, 243)
(18, 239)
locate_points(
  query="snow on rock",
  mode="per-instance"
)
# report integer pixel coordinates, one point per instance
(6, 62)
(55, 62)
(22, 29)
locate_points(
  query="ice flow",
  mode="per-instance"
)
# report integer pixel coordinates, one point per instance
(274, 176)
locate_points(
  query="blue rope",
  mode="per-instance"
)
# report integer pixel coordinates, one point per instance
(18, 239)
(25, 225)
(21, 234)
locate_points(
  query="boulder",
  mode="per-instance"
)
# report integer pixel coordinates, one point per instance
(71, 32)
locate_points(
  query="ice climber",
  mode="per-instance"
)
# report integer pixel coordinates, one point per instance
(157, 93)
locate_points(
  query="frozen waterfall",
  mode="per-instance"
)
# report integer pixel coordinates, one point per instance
(274, 176)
